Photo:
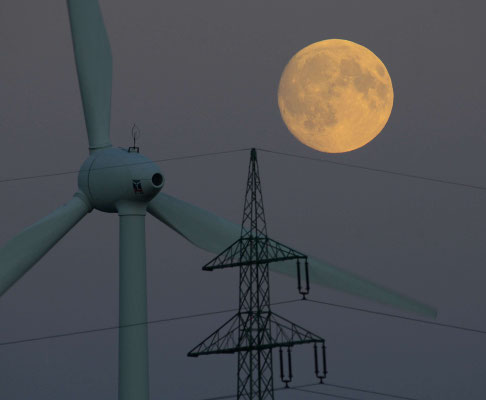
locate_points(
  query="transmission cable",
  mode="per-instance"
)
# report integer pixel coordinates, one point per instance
(304, 388)
(157, 321)
(343, 164)
(356, 389)
(337, 396)
(116, 166)
(232, 396)
(372, 169)
(384, 314)
(229, 396)
(109, 328)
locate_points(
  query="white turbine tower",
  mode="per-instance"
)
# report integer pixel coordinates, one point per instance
(119, 181)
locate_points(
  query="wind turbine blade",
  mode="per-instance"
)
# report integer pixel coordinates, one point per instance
(94, 64)
(24, 250)
(200, 227)
(325, 274)
(213, 233)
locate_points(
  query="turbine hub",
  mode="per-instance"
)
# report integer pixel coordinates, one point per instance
(114, 177)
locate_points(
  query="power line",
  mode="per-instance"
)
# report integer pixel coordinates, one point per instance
(109, 328)
(352, 388)
(157, 321)
(336, 396)
(356, 389)
(302, 388)
(37, 176)
(343, 164)
(229, 396)
(440, 324)
(372, 169)
(116, 166)
(232, 396)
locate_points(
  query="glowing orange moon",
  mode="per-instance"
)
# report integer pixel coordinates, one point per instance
(335, 95)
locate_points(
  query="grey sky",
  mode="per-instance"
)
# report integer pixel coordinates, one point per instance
(200, 77)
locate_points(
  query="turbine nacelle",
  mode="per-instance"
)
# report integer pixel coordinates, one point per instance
(115, 178)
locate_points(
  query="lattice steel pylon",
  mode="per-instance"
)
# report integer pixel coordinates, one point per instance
(255, 330)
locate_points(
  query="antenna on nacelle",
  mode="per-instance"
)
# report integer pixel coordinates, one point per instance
(135, 135)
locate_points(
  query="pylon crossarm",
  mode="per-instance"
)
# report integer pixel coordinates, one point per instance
(228, 257)
(280, 251)
(223, 338)
(237, 349)
(237, 254)
(228, 340)
(286, 332)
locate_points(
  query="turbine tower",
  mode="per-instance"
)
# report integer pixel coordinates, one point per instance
(122, 181)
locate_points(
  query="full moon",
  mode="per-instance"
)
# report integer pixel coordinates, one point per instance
(335, 96)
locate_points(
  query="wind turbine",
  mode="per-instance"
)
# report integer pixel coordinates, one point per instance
(122, 181)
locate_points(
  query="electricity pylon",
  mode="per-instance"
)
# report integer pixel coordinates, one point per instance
(255, 330)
